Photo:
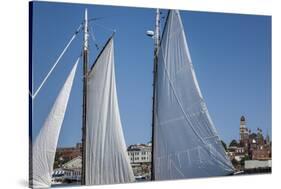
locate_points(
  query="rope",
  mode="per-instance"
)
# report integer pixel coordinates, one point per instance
(57, 61)
(106, 28)
(93, 37)
(103, 17)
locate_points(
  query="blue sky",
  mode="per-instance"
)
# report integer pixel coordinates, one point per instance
(231, 54)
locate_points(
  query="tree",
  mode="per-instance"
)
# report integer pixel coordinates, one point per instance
(224, 145)
(234, 162)
(233, 143)
(242, 162)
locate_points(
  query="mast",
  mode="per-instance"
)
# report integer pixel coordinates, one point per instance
(85, 72)
(156, 46)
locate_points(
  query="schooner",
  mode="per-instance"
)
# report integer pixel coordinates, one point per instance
(185, 143)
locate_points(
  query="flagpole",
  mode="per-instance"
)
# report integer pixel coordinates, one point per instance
(84, 115)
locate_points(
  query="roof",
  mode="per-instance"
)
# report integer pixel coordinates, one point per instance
(139, 147)
(74, 163)
(253, 164)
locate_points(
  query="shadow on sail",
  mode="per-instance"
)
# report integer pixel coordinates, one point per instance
(186, 141)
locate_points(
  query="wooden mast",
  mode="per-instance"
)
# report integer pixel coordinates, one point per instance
(156, 46)
(85, 79)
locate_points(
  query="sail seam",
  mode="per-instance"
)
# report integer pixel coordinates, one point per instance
(185, 115)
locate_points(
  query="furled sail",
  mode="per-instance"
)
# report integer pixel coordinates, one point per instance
(44, 147)
(186, 142)
(107, 161)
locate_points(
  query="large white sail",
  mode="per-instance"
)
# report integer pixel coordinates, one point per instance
(44, 147)
(186, 142)
(107, 161)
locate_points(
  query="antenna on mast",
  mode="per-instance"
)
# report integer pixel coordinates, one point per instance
(157, 30)
(156, 33)
(86, 31)
(85, 79)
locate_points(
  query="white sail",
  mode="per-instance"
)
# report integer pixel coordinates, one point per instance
(107, 161)
(186, 142)
(44, 147)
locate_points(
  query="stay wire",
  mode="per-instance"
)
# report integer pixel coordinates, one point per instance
(56, 62)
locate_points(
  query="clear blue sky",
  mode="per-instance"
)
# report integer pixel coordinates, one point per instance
(231, 54)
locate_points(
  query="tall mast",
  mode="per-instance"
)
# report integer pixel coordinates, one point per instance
(85, 73)
(156, 47)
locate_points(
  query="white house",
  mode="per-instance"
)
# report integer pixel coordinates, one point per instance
(139, 153)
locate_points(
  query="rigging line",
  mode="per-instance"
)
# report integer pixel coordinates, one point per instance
(106, 28)
(97, 18)
(104, 17)
(57, 61)
(93, 37)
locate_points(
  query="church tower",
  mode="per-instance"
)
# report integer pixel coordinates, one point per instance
(244, 133)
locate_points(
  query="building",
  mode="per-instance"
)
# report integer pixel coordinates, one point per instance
(251, 146)
(244, 133)
(236, 151)
(69, 172)
(139, 153)
(75, 163)
(72, 170)
(64, 155)
(262, 153)
(239, 153)
(257, 166)
(254, 144)
(140, 159)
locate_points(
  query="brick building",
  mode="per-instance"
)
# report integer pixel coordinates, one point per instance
(251, 146)
(254, 144)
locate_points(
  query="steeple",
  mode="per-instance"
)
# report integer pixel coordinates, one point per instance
(242, 122)
(244, 133)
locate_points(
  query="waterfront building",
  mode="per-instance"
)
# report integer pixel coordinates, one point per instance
(139, 153)
(69, 172)
(243, 129)
(251, 146)
(140, 159)
(66, 154)
(257, 166)
(244, 134)
(72, 170)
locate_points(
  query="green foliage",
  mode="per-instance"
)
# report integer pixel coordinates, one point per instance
(242, 162)
(224, 145)
(233, 143)
(234, 162)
